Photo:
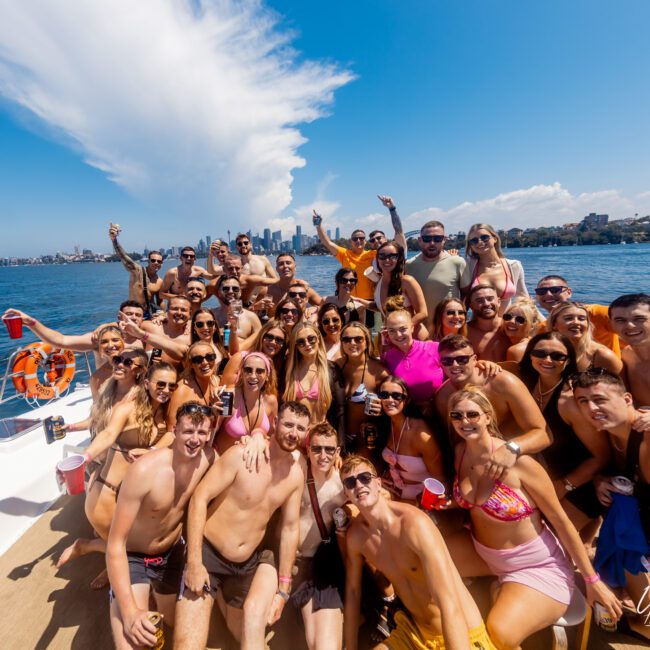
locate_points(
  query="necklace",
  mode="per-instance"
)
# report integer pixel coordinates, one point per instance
(401, 433)
(248, 416)
(544, 393)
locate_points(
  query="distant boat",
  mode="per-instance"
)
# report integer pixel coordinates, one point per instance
(623, 242)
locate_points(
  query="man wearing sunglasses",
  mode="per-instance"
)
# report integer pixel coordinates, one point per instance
(402, 542)
(144, 283)
(436, 271)
(484, 329)
(553, 290)
(519, 418)
(175, 282)
(253, 264)
(145, 550)
(227, 520)
(229, 294)
(249, 284)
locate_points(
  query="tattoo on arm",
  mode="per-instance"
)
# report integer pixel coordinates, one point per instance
(126, 260)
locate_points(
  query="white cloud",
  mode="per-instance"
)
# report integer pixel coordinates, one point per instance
(188, 104)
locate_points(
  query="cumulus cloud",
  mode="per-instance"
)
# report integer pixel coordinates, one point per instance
(189, 104)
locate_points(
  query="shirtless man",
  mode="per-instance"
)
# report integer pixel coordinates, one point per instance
(233, 267)
(196, 293)
(229, 290)
(552, 290)
(175, 282)
(227, 520)
(520, 420)
(220, 250)
(404, 544)
(253, 264)
(484, 330)
(145, 550)
(630, 316)
(144, 283)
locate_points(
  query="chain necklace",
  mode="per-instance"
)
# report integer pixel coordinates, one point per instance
(544, 393)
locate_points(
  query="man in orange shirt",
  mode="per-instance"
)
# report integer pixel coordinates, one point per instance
(553, 289)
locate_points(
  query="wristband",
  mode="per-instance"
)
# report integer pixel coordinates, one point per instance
(285, 579)
(591, 580)
(87, 458)
(145, 338)
(30, 322)
(71, 428)
(283, 594)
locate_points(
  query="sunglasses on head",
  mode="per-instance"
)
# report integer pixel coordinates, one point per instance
(297, 294)
(199, 358)
(248, 370)
(163, 385)
(391, 257)
(127, 362)
(288, 310)
(352, 339)
(319, 449)
(458, 416)
(331, 321)
(461, 360)
(475, 240)
(518, 319)
(385, 394)
(205, 323)
(348, 281)
(190, 409)
(276, 339)
(230, 289)
(308, 340)
(551, 354)
(427, 239)
(365, 478)
(542, 291)
(358, 238)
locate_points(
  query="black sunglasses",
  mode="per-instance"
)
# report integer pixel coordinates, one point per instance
(391, 257)
(152, 261)
(277, 339)
(199, 358)
(518, 319)
(188, 256)
(553, 355)
(456, 312)
(472, 416)
(358, 238)
(542, 291)
(297, 294)
(288, 310)
(475, 240)
(162, 385)
(372, 240)
(385, 394)
(461, 360)
(427, 239)
(230, 289)
(348, 281)
(205, 323)
(127, 362)
(308, 340)
(189, 409)
(257, 371)
(319, 449)
(364, 478)
(331, 321)
(352, 339)
(243, 243)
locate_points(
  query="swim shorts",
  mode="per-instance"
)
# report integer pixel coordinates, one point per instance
(407, 636)
(305, 589)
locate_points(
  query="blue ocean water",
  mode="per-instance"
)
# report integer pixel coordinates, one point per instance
(75, 298)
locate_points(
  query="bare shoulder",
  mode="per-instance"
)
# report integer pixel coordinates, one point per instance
(506, 381)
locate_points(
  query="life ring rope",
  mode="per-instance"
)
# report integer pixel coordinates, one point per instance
(58, 377)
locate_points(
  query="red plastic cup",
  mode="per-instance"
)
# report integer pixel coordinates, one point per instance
(433, 496)
(14, 326)
(72, 469)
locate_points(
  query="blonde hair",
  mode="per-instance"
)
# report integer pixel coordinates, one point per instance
(320, 407)
(527, 307)
(585, 342)
(144, 414)
(188, 372)
(270, 386)
(492, 231)
(476, 395)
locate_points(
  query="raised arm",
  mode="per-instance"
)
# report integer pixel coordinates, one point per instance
(213, 269)
(153, 338)
(128, 263)
(399, 236)
(322, 235)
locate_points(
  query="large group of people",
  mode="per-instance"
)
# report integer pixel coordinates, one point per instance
(257, 445)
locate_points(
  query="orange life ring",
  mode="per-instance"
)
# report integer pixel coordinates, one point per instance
(63, 359)
(18, 369)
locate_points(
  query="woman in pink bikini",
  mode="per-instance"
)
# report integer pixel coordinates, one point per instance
(486, 264)
(509, 532)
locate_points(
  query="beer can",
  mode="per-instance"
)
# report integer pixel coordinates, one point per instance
(156, 354)
(156, 619)
(623, 484)
(603, 618)
(370, 398)
(369, 432)
(341, 519)
(226, 403)
(53, 427)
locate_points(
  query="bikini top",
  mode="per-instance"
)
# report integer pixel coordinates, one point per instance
(359, 395)
(235, 425)
(312, 393)
(409, 468)
(503, 503)
(508, 291)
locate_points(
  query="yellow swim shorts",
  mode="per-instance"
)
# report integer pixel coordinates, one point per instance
(407, 636)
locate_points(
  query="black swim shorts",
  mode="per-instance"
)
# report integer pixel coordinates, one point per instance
(305, 588)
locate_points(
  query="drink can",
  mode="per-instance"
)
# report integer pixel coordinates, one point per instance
(623, 484)
(156, 619)
(226, 335)
(53, 427)
(370, 398)
(227, 398)
(369, 434)
(603, 618)
(340, 518)
(156, 354)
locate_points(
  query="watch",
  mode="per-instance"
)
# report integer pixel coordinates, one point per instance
(513, 447)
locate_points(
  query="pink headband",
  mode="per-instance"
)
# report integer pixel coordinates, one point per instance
(258, 355)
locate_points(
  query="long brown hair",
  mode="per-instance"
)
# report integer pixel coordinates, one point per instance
(395, 284)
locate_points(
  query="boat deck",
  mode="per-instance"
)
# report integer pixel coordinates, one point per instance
(42, 608)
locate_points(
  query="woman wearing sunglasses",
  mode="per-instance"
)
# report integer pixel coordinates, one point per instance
(199, 380)
(509, 532)
(255, 404)
(486, 264)
(412, 452)
(329, 325)
(518, 323)
(313, 380)
(449, 317)
(204, 327)
(289, 313)
(572, 319)
(578, 452)
(361, 375)
(393, 282)
(351, 308)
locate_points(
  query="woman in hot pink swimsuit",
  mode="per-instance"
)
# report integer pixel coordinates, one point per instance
(509, 532)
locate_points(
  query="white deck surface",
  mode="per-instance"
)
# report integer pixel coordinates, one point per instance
(27, 466)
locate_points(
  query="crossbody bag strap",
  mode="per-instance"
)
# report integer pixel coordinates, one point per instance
(313, 497)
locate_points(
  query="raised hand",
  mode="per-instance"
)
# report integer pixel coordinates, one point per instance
(387, 201)
(114, 230)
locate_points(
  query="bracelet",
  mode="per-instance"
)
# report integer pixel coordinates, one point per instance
(285, 579)
(592, 579)
(283, 594)
(30, 322)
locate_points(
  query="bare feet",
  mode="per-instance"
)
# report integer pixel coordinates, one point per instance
(100, 581)
(73, 551)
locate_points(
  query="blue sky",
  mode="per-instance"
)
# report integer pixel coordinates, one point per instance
(182, 122)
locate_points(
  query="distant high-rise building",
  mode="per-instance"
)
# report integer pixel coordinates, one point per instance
(338, 233)
(329, 233)
(208, 241)
(277, 236)
(76, 249)
(593, 220)
(267, 239)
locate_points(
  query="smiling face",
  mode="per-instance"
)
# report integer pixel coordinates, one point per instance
(453, 317)
(387, 258)
(161, 385)
(307, 341)
(400, 330)
(469, 420)
(253, 374)
(298, 293)
(552, 363)
(365, 489)
(229, 291)
(195, 292)
(353, 342)
(458, 365)
(323, 452)
(155, 261)
(203, 359)
(191, 436)
(188, 257)
(179, 311)
(481, 241)
(573, 322)
(632, 324)
(346, 284)
(222, 253)
(291, 429)
(243, 245)
(204, 326)
(515, 323)
(358, 241)
(273, 341)
(376, 239)
(331, 322)
(110, 344)
(485, 303)
(127, 365)
(552, 292)
(289, 314)
(285, 266)
(603, 405)
(393, 398)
